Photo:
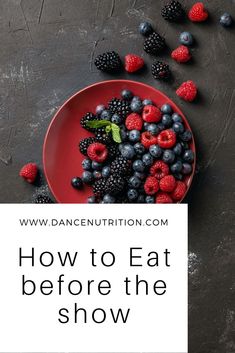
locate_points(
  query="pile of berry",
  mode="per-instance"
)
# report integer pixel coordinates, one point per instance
(139, 153)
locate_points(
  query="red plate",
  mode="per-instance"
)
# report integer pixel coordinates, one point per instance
(61, 156)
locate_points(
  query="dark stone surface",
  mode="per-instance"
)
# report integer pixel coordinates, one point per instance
(47, 49)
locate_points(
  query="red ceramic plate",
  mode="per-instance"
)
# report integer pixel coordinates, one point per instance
(61, 156)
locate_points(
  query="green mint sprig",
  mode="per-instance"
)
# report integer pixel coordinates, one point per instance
(109, 127)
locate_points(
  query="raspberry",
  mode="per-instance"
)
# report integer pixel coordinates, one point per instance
(147, 139)
(134, 122)
(166, 138)
(151, 185)
(159, 169)
(162, 197)
(179, 191)
(133, 63)
(151, 114)
(97, 152)
(181, 54)
(29, 172)
(198, 13)
(167, 183)
(187, 91)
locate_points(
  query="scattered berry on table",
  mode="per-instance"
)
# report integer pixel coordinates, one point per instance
(108, 199)
(173, 11)
(179, 191)
(198, 13)
(166, 138)
(86, 118)
(97, 152)
(133, 63)
(108, 62)
(43, 199)
(136, 105)
(187, 91)
(86, 164)
(29, 172)
(147, 102)
(167, 183)
(145, 28)
(226, 20)
(160, 70)
(166, 109)
(127, 94)
(99, 109)
(163, 197)
(186, 38)
(181, 54)
(77, 183)
(159, 169)
(120, 107)
(87, 177)
(154, 44)
(134, 121)
(151, 185)
(155, 151)
(147, 139)
(168, 156)
(151, 114)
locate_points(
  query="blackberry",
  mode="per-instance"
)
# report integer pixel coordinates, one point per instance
(114, 185)
(99, 187)
(88, 117)
(160, 70)
(102, 136)
(119, 107)
(43, 199)
(173, 11)
(85, 143)
(113, 151)
(120, 166)
(108, 62)
(154, 43)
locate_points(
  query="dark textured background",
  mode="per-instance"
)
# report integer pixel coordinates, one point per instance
(47, 49)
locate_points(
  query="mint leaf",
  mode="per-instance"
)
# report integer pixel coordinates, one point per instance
(116, 133)
(97, 123)
(108, 129)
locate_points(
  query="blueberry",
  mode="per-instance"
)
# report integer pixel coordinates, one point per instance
(136, 105)
(186, 136)
(87, 177)
(226, 20)
(178, 149)
(147, 102)
(176, 167)
(106, 172)
(124, 135)
(99, 109)
(139, 148)
(127, 151)
(187, 168)
(168, 156)
(185, 145)
(139, 175)
(77, 183)
(116, 119)
(147, 159)
(141, 199)
(161, 127)
(91, 199)
(138, 166)
(150, 199)
(155, 151)
(186, 38)
(176, 118)
(134, 135)
(178, 128)
(153, 128)
(96, 165)
(126, 94)
(97, 174)
(188, 156)
(166, 109)
(146, 125)
(166, 120)
(132, 194)
(86, 164)
(134, 182)
(145, 28)
(106, 115)
(108, 199)
(178, 176)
